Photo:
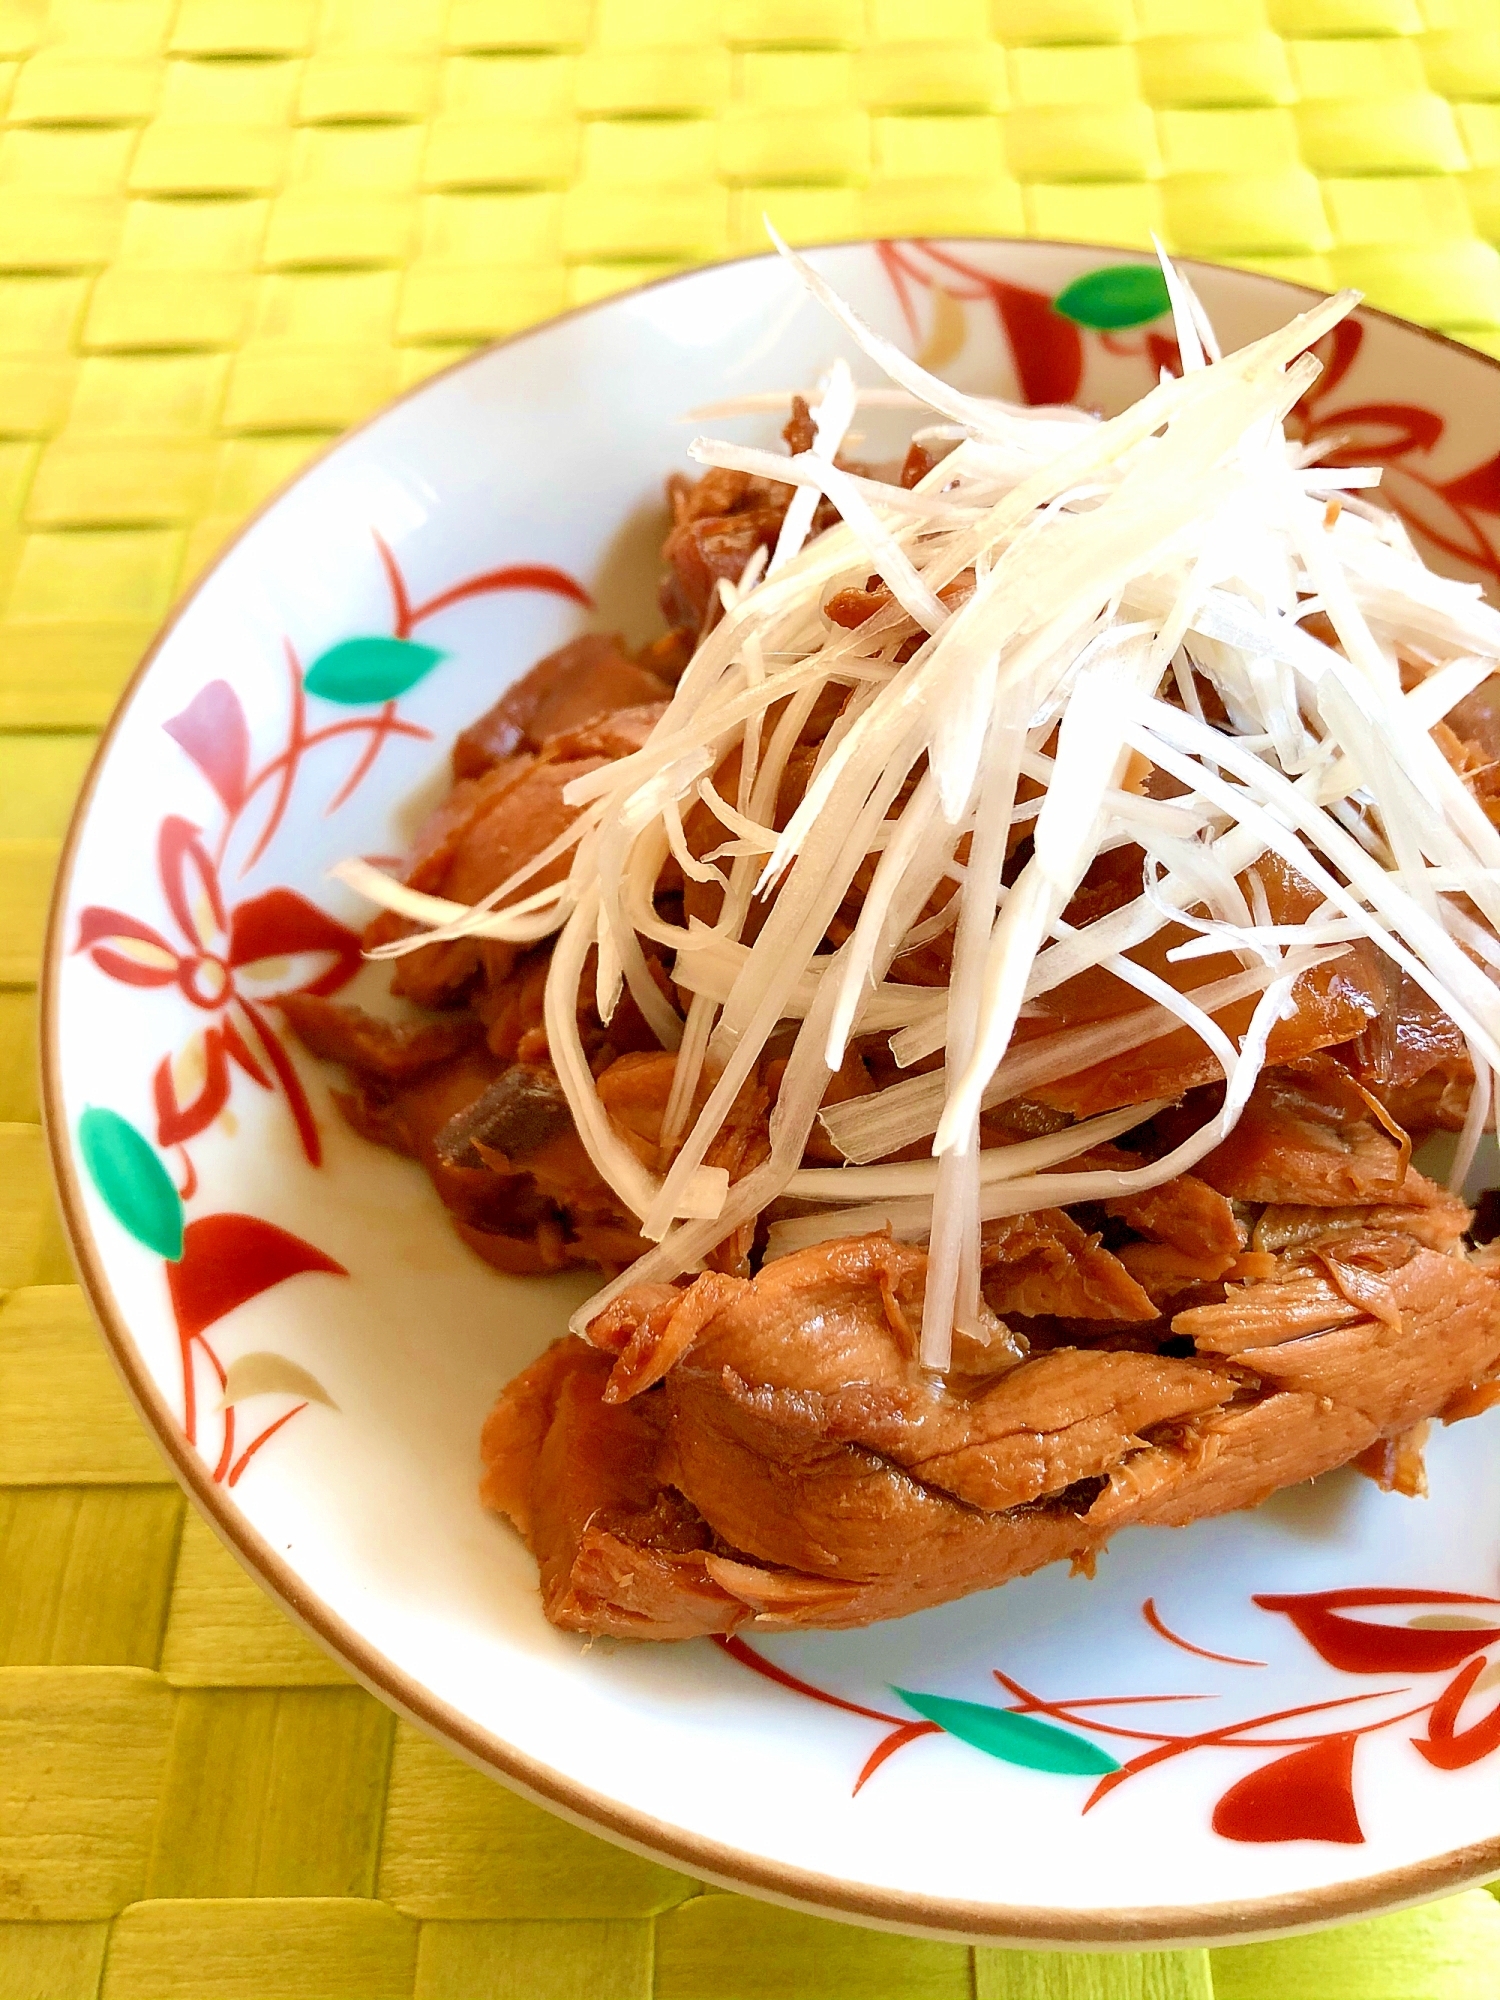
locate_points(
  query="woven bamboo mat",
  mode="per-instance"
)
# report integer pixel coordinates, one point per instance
(228, 228)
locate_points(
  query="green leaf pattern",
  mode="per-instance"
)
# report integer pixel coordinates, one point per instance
(1014, 1739)
(356, 671)
(133, 1184)
(1118, 296)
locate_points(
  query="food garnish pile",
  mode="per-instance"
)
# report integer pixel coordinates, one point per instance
(974, 986)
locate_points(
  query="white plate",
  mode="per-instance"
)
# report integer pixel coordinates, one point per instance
(363, 1343)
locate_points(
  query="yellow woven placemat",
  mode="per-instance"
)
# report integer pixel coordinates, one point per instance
(228, 228)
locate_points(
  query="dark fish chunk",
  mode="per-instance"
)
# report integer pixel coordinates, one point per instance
(522, 1111)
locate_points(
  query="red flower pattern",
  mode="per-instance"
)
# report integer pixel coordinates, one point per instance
(227, 960)
(226, 1261)
(1046, 349)
(221, 953)
(1449, 514)
(213, 966)
(1307, 1791)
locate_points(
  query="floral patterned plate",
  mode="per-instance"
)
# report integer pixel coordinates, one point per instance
(1269, 1720)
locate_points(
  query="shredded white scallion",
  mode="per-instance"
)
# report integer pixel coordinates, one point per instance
(1092, 635)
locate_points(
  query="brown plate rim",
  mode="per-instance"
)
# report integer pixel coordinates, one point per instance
(729, 1867)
